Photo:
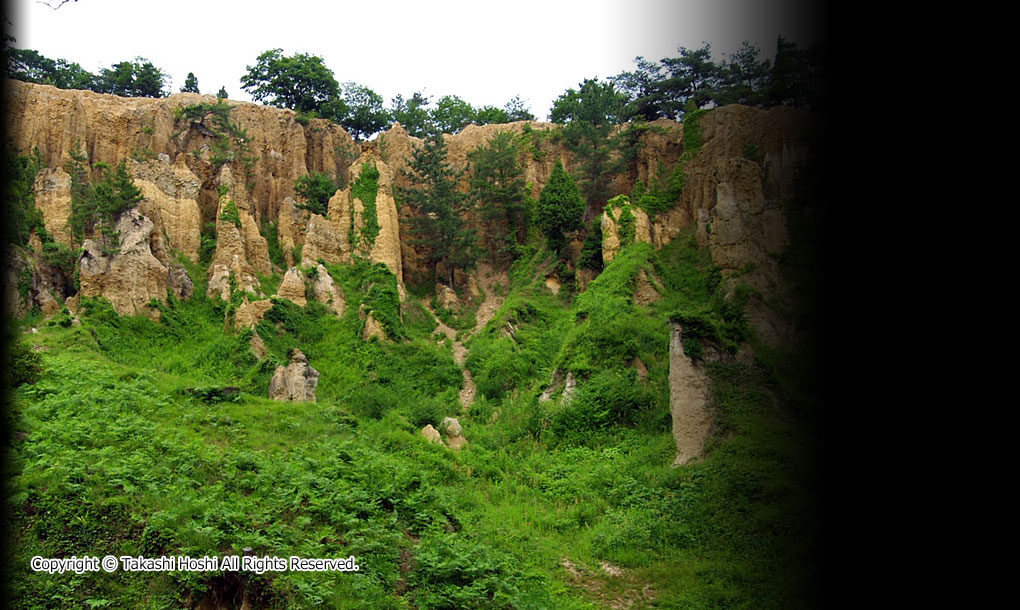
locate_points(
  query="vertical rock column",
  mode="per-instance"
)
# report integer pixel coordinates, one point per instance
(688, 400)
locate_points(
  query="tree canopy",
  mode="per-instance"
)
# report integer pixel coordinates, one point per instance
(667, 89)
(138, 78)
(299, 82)
(362, 111)
(559, 208)
(497, 188)
(190, 84)
(588, 115)
(439, 228)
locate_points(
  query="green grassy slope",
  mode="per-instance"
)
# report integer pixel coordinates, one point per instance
(110, 456)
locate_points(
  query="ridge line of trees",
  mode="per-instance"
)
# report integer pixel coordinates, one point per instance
(302, 82)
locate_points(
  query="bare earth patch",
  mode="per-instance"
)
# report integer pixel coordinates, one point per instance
(609, 587)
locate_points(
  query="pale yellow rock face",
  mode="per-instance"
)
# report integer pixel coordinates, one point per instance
(132, 276)
(432, 435)
(248, 314)
(688, 401)
(325, 241)
(292, 287)
(53, 198)
(112, 128)
(326, 291)
(239, 250)
(171, 201)
(386, 248)
(734, 186)
(646, 291)
(611, 243)
(446, 297)
(329, 239)
(373, 329)
(295, 382)
(291, 227)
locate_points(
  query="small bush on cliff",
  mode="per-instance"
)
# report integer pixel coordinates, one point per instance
(231, 214)
(315, 189)
(366, 188)
(96, 207)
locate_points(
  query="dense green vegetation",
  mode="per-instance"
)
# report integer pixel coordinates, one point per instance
(95, 207)
(315, 190)
(559, 208)
(692, 80)
(498, 192)
(125, 446)
(440, 228)
(21, 216)
(137, 78)
(365, 189)
(140, 437)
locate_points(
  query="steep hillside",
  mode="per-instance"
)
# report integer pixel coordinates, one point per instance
(735, 166)
(228, 366)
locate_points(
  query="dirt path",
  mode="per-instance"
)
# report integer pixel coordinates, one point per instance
(487, 279)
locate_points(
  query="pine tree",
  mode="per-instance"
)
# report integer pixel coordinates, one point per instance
(497, 188)
(440, 228)
(588, 116)
(190, 84)
(560, 208)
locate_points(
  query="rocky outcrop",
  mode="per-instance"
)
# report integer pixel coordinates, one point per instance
(258, 346)
(646, 289)
(688, 400)
(341, 235)
(373, 329)
(131, 276)
(292, 287)
(291, 226)
(734, 187)
(295, 382)
(171, 201)
(277, 148)
(454, 434)
(733, 184)
(241, 251)
(248, 314)
(432, 435)
(326, 291)
(324, 241)
(53, 198)
(446, 297)
(623, 224)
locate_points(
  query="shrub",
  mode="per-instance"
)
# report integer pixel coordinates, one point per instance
(24, 365)
(365, 188)
(315, 189)
(608, 398)
(231, 214)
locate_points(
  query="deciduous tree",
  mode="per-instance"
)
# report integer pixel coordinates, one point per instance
(299, 82)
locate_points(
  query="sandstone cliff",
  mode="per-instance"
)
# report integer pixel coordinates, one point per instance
(188, 148)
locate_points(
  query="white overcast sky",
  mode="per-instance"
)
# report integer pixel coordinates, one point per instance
(485, 52)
